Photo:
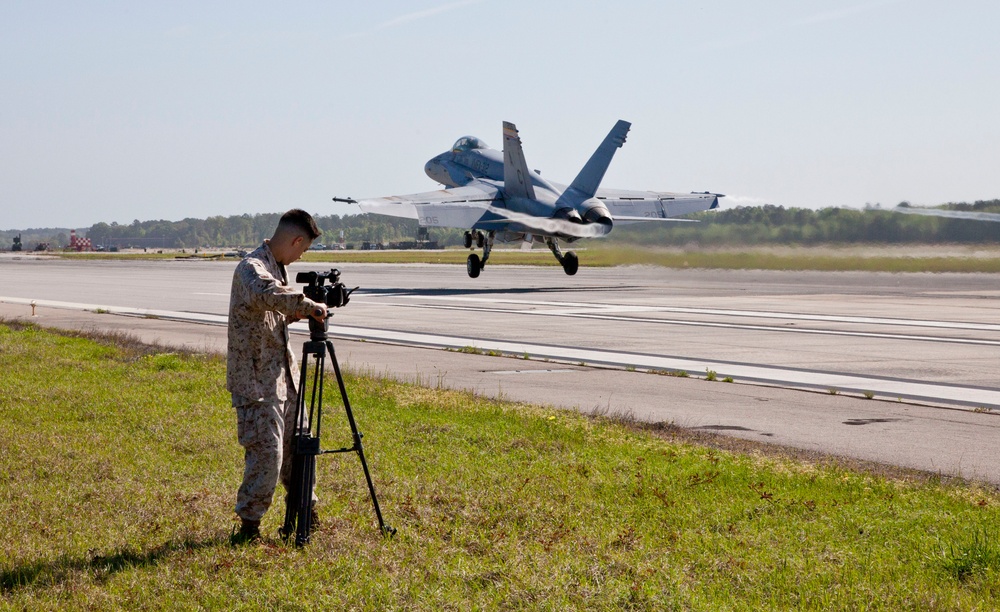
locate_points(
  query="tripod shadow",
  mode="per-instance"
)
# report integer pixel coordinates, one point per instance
(101, 567)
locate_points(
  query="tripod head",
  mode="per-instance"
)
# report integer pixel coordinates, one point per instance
(334, 295)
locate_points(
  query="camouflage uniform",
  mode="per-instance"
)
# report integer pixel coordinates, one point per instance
(260, 373)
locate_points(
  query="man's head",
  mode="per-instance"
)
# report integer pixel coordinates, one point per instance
(294, 235)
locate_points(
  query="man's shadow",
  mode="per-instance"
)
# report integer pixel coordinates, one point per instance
(101, 567)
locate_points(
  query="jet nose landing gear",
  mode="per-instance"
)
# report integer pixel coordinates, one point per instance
(479, 237)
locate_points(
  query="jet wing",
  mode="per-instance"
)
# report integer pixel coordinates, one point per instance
(478, 205)
(631, 206)
(953, 214)
(458, 207)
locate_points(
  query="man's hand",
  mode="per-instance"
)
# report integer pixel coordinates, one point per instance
(319, 312)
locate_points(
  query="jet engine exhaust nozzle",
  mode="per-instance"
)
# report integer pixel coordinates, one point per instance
(569, 214)
(599, 215)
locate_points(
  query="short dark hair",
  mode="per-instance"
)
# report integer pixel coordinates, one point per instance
(299, 219)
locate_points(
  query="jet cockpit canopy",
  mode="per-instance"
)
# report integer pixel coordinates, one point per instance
(468, 143)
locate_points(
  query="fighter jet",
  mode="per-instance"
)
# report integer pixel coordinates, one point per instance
(494, 196)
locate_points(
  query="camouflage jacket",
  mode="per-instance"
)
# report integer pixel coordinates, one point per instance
(260, 364)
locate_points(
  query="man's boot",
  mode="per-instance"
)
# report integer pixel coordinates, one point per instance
(249, 532)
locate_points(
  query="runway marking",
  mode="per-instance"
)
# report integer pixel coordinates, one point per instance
(880, 387)
(796, 330)
(787, 377)
(576, 308)
(549, 371)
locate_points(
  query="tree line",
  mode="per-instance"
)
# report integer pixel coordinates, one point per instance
(237, 231)
(745, 225)
(775, 225)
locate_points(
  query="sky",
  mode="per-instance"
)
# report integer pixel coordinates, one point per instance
(117, 111)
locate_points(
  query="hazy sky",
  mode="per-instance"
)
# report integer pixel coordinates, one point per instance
(115, 111)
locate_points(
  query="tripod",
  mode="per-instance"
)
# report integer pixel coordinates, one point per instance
(306, 444)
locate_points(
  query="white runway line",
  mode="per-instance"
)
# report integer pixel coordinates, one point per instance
(881, 387)
(589, 314)
(583, 308)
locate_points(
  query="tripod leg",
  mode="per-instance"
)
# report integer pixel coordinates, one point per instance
(305, 447)
(292, 498)
(292, 494)
(304, 509)
(358, 447)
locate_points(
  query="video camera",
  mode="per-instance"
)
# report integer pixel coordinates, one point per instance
(333, 295)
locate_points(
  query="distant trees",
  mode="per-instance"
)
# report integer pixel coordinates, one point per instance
(746, 225)
(775, 225)
(246, 231)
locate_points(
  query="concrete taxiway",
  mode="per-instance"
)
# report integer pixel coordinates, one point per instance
(805, 350)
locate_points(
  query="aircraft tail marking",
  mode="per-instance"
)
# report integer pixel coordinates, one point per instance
(516, 180)
(592, 174)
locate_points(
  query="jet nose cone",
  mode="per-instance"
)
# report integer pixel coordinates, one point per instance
(435, 169)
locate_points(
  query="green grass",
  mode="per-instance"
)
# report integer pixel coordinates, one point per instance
(120, 464)
(869, 258)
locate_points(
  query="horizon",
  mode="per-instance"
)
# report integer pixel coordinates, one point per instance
(160, 111)
(874, 206)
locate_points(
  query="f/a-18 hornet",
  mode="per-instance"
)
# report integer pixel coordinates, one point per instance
(494, 197)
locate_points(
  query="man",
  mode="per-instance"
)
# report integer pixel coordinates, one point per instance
(260, 367)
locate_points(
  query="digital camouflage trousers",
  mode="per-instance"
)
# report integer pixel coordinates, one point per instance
(266, 432)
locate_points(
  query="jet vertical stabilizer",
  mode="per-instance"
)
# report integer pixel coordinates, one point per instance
(589, 179)
(516, 180)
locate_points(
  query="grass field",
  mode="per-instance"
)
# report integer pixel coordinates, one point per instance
(119, 465)
(870, 258)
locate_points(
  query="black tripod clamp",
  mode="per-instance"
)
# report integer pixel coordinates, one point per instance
(306, 444)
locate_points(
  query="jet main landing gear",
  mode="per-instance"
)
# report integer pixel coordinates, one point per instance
(569, 261)
(474, 265)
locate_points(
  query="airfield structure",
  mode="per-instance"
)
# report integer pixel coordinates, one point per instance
(79, 244)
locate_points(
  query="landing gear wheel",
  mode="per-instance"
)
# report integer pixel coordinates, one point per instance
(570, 263)
(473, 266)
(468, 240)
(480, 239)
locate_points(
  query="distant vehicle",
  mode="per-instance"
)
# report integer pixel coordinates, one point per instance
(318, 247)
(493, 195)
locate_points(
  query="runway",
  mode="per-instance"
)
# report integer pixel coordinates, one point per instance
(916, 343)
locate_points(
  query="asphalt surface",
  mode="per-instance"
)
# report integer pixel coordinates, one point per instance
(804, 349)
